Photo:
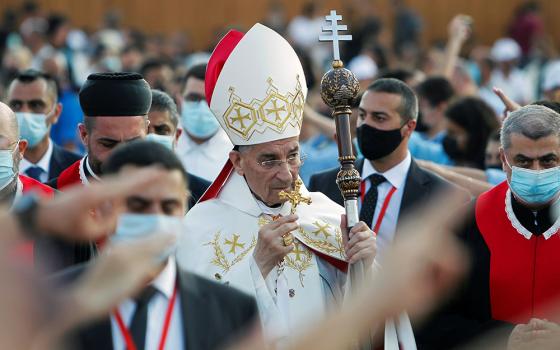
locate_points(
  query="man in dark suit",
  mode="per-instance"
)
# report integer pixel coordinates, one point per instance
(202, 313)
(33, 96)
(392, 182)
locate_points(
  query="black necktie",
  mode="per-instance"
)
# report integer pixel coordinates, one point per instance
(370, 199)
(140, 318)
(35, 172)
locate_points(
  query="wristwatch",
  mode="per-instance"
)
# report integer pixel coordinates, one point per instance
(25, 210)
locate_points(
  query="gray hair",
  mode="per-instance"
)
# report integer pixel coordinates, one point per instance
(409, 102)
(532, 121)
(162, 102)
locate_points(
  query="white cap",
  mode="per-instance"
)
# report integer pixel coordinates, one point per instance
(505, 49)
(363, 67)
(260, 92)
(551, 79)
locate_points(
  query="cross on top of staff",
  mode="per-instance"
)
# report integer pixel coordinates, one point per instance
(335, 37)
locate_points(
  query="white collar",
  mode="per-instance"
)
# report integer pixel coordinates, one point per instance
(43, 163)
(520, 228)
(165, 281)
(236, 193)
(396, 176)
(83, 177)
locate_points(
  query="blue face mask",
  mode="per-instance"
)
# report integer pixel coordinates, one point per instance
(535, 186)
(165, 140)
(131, 227)
(198, 120)
(7, 173)
(32, 127)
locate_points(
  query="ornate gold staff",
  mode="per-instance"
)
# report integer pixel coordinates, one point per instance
(339, 87)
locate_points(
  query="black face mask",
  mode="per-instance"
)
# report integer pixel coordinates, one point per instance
(451, 147)
(375, 143)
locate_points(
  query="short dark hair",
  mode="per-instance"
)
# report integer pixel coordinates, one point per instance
(162, 102)
(409, 103)
(198, 71)
(29, 76)
(142, 153)
(152, 64)
(435, 90)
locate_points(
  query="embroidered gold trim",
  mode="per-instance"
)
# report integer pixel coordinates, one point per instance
(298, 263)
(323, 245)
(220, 259)
(274, 112)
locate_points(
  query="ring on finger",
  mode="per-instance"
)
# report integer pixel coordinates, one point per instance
(287, 239)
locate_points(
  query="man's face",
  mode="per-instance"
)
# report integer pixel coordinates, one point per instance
(165, 196)
(266, 182)
(380, 110)
(543, 153)
(34, 97)
(160, 124)
(194, 90)
(109, 132)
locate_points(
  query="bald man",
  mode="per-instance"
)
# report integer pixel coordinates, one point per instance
(13, 185)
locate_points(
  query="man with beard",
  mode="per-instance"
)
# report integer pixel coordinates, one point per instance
(115, 107)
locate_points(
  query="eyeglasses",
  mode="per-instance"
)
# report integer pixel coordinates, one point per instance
(294, 160)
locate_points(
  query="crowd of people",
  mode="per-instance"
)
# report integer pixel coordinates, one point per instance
(158, 197)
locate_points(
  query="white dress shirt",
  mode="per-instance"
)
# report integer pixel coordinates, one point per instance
(396, 177)
(43, 163)
(207, 159)
(157, 308)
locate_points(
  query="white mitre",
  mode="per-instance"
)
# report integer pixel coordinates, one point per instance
(260, 91)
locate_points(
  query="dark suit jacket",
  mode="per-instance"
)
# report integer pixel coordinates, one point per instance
(213, 314)
(420, 185)
(197, 186)
(60, 160)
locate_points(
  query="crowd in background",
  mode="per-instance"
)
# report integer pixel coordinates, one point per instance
(465, 92)
(454, 77)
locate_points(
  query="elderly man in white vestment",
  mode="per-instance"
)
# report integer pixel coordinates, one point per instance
(243, 232)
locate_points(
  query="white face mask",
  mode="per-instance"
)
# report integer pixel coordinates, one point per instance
(165, 140)
(7, 171)
(131, 227)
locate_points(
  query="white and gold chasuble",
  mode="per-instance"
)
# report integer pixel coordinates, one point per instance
(221, 234)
